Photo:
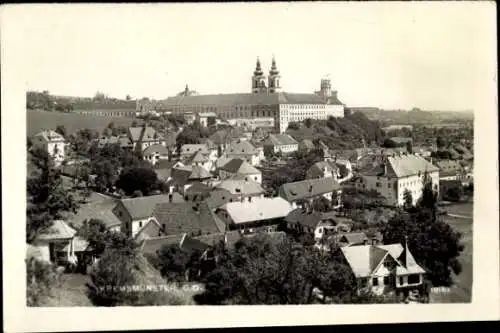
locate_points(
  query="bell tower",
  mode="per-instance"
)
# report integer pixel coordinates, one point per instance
(258, 79)
(274, 78)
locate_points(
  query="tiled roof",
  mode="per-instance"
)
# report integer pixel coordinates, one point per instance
(225, 136)
(353, 238)
(241, 187)
(364, 259)
(152, 245)
(58, 230)
(50, 135)
(150, 230)
(198, 188)
(317, 169)
(164, 164)
(309, 219)
(102, 210)
(210, 144)
(189, 149)
(221, 161)
(142, 207)
(241, 147)
(182, 176)
(240, 166)
(198, 172)
(280, 139)
(163, 174)
(186, 217)
(219, 197)
(402, 166)
(308, 188)
(258, 209)
(155, 149)
(196, 157)
(244, 99)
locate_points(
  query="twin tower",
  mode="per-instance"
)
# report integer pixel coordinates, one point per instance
(259, 79)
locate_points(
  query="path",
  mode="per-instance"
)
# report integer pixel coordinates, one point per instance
(460, 216)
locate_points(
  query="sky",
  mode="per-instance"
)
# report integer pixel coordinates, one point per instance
(389, 55)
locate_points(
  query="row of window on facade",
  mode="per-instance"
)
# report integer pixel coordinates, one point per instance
(388, 280)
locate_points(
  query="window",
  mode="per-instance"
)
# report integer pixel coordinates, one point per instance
(363, 282)
(401, 282)
(415, 278)
(140, 224)
(386, 280)
(375, 281)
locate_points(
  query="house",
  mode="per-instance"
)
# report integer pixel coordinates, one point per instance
(99, 210)
(181, 178)
(283, 143)
(188, 150)
(135, 213)
(145, 136)
(244, 150)
(242, 168)
(395, 174)
(53, 143)
(122, 140)
(199, 158)
(384, 269)
(155, 153)
(197, 191)
(218, 197)
(223, 138)
(357, 238)
(193, 218)
(206, 118)
(242, 189)
(449, 169)
(323, 169)
(320, 224)
(56, 244)
(302, 193)
(257, 214)
(306, 145)
(421, 151)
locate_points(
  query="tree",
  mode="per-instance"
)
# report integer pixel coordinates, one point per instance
(321, 204)
(262, 270)
(408, 199)
(48, 199)
(308, 122)
(134, 123)
(61, 130)
(440, 142)
(432, 241)
(293, 126)
(173, 262)
(128, 98)
(41, 278)
(409, 147)
(137, 179)
(454, 193)
(388, 143)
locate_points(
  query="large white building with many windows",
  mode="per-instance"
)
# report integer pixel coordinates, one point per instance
(265, 103)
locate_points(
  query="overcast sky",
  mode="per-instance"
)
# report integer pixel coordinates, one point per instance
(390, 55)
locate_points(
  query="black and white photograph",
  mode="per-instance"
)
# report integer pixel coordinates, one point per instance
(206, 156)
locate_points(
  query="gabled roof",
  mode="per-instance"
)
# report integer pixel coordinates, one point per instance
(402, 166)
(152, 245)
(353, 238)
(196, 157)
(221, 161)
(307, 218)
(219, 197)
(241, 147)
(279, 140)
(240, 166)
(58, 230)
(241, 187)
(142, 207)
(365, 259)
(400, 140)
(182, 176)
(308, 188)
(102, 210)
(318, 168)
(198, 188)
(258, 209)
(156, 148)
(150, 230)
(187, 217)
(189, 149)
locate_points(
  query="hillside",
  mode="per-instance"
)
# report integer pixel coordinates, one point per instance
(390, 117)
(341, 133)
(37, 121)
(48, 102)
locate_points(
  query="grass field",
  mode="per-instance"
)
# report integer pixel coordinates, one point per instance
(461, 292)
(37, 121)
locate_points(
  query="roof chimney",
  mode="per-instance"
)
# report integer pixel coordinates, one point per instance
(170, 197)
(310, 188)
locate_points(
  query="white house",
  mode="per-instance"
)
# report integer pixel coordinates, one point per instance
(56, 245)
(245, 150)
(240, 188)
(302, 193)
(283, 143)
(145, 136)
(399, 173)
(53, 143)
(155, 153)
(384, 269)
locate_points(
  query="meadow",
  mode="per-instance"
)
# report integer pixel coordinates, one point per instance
(37, 121)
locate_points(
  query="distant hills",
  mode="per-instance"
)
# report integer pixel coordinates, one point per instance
(413, 117)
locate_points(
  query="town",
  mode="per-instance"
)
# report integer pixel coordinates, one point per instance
(261, 197)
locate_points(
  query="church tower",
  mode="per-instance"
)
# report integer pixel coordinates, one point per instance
(258, 79)
(274, 78)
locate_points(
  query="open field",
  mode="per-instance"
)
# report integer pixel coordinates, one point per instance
(461, 292)
(37, 121)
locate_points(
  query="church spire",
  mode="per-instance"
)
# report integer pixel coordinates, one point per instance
(258, 69)
(274, 68)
